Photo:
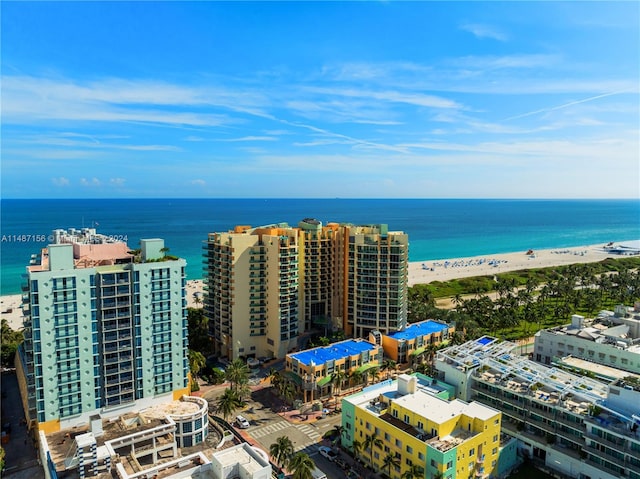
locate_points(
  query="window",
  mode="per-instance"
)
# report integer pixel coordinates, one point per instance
(433, 463)
(472, 452)
(495, 438)
(494, 451)
(449, 464)
(409, 449)
(398, 443)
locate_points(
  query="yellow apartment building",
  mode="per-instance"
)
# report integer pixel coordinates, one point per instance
(412, 420)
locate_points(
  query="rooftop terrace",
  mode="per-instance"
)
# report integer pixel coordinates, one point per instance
(498, 359)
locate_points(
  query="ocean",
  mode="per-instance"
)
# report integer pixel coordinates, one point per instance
(437, 228)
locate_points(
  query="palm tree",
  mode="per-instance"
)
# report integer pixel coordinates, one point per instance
(282, 451)
(390, 460)
(237, 374)
(337, 378)
(356, 448)
(338, 431)
(387, 366)
(414, 472)
(357, 377)
(228, 403)
(197, 361)
(371, 440)
(302, 466)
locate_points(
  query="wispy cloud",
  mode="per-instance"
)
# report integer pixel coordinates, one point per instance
(198, 182)
(117, 182)
(250, 138)
(90, 182)
(484, 31)
(60, 181)
(564, 105)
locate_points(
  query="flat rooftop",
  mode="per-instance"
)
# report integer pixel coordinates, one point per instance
(333, 352)
(599, 370)
(414, 330)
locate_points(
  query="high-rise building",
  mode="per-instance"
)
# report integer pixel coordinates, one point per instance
(105, 329)
(376, 291)
(265, 286)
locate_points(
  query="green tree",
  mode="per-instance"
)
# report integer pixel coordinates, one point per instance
(356, 448)
(302, 466)
(338, 431)
(388, 366)
(389, 461)
(371, 440)
(237, 374)
(196, 362)
(414, 472)
(337, 378)
(10, 341)
(198, 326)
(282, 451)
(228, 403)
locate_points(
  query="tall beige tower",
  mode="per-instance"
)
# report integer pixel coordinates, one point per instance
(267, 285)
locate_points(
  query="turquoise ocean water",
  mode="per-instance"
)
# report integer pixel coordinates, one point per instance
(437, 228)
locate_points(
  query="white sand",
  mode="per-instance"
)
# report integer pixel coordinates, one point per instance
(421, 272)
(446, 269)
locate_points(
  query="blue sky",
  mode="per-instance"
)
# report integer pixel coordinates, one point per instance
(328, 99)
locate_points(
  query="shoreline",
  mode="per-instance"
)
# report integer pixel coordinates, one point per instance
(419, 272)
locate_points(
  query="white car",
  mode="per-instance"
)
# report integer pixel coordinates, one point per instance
(328, 453)
(242, 422)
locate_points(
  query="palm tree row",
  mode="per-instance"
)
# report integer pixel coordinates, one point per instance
(578, 288)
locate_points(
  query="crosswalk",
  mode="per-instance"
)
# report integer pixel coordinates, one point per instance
(309, 431)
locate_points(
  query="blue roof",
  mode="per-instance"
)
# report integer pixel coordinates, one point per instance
(332, 352)
(415, 330)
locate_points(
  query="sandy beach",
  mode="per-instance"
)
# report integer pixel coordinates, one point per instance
(446, 269)
(421, 272)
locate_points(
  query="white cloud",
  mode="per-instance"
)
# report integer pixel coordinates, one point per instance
(117, 181)
(484, 31)
(198, 182)
(61, 181)
(250, 138)
(92, 182)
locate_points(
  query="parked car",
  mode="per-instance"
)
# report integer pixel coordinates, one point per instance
(328, 453)
(242, 422)
(342, 463)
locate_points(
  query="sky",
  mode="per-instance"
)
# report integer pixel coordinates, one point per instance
(320, 99)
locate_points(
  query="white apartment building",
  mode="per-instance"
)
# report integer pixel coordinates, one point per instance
(612, 339)
(575, 425)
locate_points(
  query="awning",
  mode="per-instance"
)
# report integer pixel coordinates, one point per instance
(324, 381)
(418, 351)
(293, 377)
(367, 366)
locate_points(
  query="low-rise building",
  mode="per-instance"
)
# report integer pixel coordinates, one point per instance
(414, 340)
(129, 442)
(611, 339)
(572, 424)
(415, 421)
(312, 371)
